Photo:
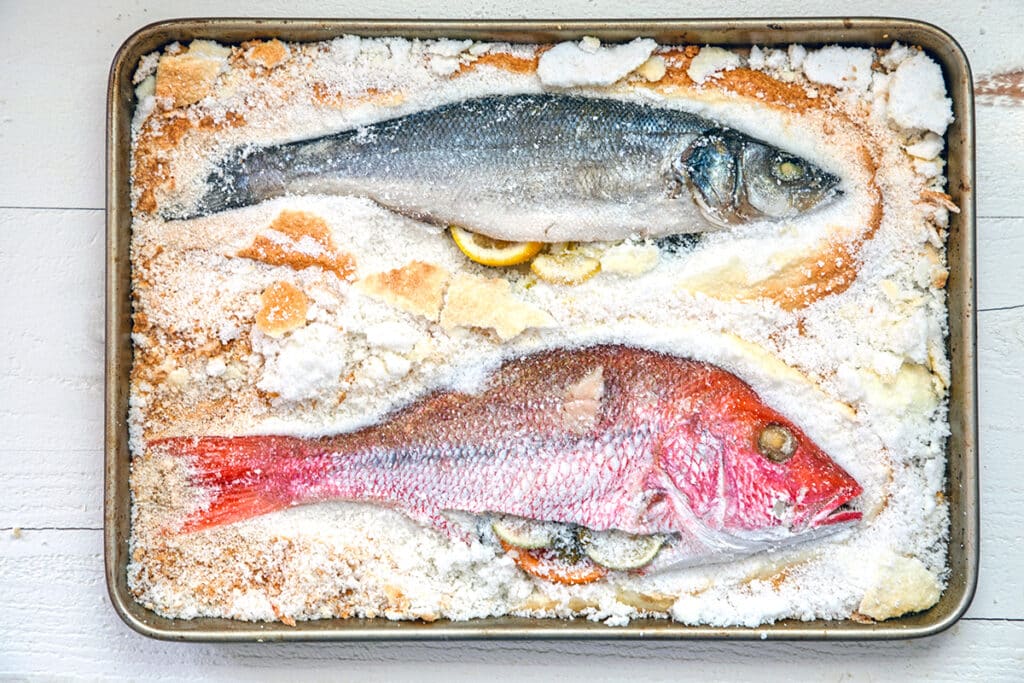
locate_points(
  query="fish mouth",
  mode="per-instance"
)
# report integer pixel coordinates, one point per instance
(837, 511)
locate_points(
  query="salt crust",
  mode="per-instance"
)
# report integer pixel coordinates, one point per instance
(870, 389)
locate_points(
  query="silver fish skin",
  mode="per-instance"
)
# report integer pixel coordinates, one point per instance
(545, 168)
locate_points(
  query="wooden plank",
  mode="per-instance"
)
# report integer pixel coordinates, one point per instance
(1001, 374)
(51, 489)
(59, 624)
(1000, 275)
(51, 370)
(998, 179)
(71, 80)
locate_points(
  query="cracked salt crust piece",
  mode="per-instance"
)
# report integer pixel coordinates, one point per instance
(653, 70)
(710, 61)
(416, 288)
(901, 585)
(929, 147)
(475, 301)
(299, 239)
(630, 259)
(284, 308)
(917, 96)
(841, 67)
(188, 77)
(268, 54)
(588, 63)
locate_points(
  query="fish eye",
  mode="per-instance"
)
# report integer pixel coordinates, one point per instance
(776, 443)
(787, 170)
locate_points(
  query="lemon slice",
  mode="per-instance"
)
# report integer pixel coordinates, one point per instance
(618, 550)
(524, 533)
(566, 268)
(491, 252)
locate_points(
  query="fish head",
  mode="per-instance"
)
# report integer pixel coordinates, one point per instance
(747, 471)
(734, 179)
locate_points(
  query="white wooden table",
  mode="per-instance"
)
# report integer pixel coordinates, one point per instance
(55, 619)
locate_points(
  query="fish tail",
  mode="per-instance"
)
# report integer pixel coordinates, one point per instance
(244, 477)
(243, 178)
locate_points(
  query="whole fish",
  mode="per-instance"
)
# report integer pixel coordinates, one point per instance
(602, 438)
(545, 168)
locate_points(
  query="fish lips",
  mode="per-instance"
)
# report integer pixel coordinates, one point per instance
(836, 510)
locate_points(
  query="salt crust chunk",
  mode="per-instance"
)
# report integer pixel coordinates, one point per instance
(475, 301)
(653, 69)
(901, 585)
(586, 63)
(284, 308)
(186, 78)
(930, 147)
(268, 54)
(917, 96)
(630, 259)
(710, 61)
(841, 67)
(416, 288)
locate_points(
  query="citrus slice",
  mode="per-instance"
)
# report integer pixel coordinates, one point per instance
(618, 550)
(546, 564)
(525, 533)
(491, 252)
(566, 268)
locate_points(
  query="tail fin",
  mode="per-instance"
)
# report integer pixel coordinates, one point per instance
(248, 476)
(244, 177)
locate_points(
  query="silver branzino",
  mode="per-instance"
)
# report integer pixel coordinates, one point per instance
(536, 168)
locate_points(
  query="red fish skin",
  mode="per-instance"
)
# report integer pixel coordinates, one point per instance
(673, 445)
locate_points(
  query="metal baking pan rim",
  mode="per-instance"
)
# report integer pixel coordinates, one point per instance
(962, 341)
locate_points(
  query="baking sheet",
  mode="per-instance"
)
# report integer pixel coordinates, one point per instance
(962, 480)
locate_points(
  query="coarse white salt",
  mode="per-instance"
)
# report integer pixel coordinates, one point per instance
(307, 363)
(216, 367)
(797, 54)
(393, 336)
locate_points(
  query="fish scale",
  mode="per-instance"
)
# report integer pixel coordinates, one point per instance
(671, 447)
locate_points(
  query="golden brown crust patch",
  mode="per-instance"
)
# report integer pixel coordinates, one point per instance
(416, 287)
(160, 134)
(268, 54)
(186, 78)
(283, 309)
(503, 61)
(299, 239)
